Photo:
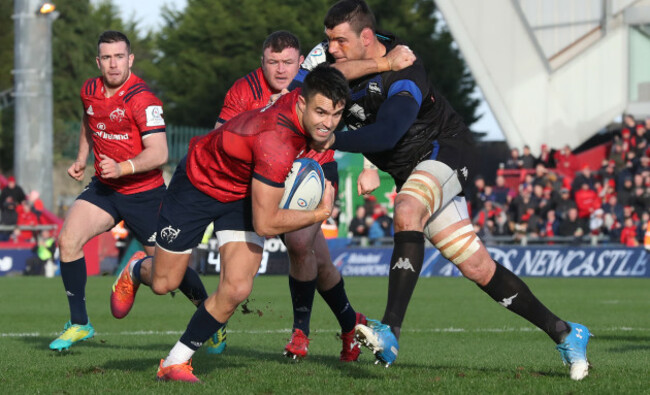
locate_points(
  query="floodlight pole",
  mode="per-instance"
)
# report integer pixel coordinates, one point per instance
(33, 142)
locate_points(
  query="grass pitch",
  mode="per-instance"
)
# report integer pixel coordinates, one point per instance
(455, 340)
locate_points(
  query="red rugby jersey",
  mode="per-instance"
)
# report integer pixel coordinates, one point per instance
(259, 144)
(251, 92)
(118, 124)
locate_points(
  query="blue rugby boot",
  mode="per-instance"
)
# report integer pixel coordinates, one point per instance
(217, 343)
(573, 350)
(72, 333)
(380, 340)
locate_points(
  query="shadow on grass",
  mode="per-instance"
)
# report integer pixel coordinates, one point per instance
(633, 342)
(43, 342)
(245, 358)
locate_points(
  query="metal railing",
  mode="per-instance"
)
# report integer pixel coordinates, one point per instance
(38, 228)
(520, 240)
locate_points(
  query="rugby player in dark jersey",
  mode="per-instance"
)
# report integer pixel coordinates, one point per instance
(407, 129)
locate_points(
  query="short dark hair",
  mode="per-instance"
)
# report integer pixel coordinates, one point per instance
(113, 36)
(327, 81)
(281, 40)
(355, 12)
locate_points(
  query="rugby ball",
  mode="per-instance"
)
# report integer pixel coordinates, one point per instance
(304, 186)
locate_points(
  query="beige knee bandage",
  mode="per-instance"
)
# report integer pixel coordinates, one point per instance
(425, 188)
(459, 245)
(433, 183)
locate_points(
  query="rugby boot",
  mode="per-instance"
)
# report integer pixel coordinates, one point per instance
(217, 343)
(297, 347)
(573, 350)
(351, 347)
(178, 372)
(124, 289)
(380, 340)
(72, 333)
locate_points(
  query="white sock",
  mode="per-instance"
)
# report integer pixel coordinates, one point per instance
(131, 265)
(180, 353)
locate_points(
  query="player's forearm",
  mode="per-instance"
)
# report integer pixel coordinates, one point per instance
(283, 221)
(150, 158)
(85, 144)
(354, 69)
(394, 118)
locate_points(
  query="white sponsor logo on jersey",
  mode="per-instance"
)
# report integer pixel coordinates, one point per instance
(358, 112)
(169, 234)
(154, 116)
(111, 136)
(117, 115)
(373, 87)
(90, 111)
(152, 238)
(508, 301)
(101, 126)
(403, 263)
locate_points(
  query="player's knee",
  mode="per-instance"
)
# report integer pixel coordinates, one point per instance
(69, 245)
(433, 184)
(408, 216)
(162, 286)
(458, 243)
(479, 268)
(237, 291)
(298, 249)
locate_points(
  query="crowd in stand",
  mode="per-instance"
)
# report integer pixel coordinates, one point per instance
(19, 211)
(560, 197)
(371, 222)
(557, 197)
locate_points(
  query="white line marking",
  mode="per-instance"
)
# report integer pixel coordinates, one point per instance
(287, 331)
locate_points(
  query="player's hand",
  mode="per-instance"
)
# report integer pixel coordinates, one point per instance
(367, 181)
(276, 96)
(109, 167)
(76, 170)
(324, 209)
(400, 57)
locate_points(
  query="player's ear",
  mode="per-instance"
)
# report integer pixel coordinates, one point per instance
(131, 59)
(366, 36)
(302, 103)
(301, 59)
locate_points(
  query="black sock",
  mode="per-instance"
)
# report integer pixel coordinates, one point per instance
(337, 300)
(74, 278)
(405, 267)
(201, 327)
(302, 299)
(192, 287)
(512, 293)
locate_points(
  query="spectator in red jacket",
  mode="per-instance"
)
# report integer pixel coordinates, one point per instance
(564, 159)
(26, 217)
(628, 233)
(587, 201)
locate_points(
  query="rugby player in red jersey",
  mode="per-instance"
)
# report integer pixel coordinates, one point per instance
(123, 124)
(311, 265)
(234, 177)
